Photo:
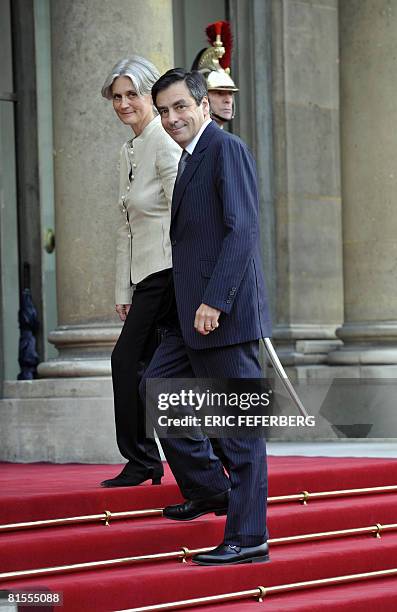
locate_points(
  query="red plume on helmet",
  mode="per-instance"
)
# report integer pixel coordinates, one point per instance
(214, 62)
(221, 29)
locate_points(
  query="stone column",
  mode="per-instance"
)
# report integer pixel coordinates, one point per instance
(252, 72)
(309, 295)
(67, 416)
(88, 38)
(368, 41)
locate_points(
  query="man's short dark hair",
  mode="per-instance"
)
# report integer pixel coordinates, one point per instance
(195, 82)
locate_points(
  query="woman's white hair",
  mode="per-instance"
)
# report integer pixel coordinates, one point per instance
(142, 73)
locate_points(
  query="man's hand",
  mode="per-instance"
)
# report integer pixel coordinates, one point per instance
(206, 319)
(123, 310)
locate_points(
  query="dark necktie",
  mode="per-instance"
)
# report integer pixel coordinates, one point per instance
(182, 165)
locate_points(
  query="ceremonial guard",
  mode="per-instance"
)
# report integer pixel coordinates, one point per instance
(214, 63)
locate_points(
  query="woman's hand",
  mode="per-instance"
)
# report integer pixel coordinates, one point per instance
(123, 310)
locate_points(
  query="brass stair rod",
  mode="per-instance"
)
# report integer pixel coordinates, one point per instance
(76, 567)
(129, 514)
(59, 522)
(326, 494)
(376, 530)
(186, 553)
(186, 603)
(282, 588)
(347, 492)
(327, 535)
(261, 591)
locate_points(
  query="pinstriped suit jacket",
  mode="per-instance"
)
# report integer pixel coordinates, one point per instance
(215, 242)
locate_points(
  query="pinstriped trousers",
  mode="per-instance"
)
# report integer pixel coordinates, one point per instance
(197, 469)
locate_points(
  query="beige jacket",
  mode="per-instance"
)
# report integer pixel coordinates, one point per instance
(143, 244)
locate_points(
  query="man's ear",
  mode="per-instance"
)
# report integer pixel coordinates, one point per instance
(206, 106)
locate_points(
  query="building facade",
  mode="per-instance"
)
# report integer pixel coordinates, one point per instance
(316, 106)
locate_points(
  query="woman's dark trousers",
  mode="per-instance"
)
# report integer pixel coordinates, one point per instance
(134, 349)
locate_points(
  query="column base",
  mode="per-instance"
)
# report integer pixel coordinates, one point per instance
(83, 351)
(74, 368)
(58, 421)
(366, 344)
(304, 344)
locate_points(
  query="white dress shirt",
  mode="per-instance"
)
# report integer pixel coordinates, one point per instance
(192, 145)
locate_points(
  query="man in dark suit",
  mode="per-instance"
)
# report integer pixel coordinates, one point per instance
(222, 312)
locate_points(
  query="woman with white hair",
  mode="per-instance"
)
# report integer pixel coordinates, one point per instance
(148, 167)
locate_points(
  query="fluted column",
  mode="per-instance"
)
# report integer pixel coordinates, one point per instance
(88, 38)
(368, 42)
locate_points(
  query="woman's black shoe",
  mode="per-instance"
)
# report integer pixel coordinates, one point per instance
(125, 480)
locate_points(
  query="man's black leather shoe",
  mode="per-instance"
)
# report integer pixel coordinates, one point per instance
(226, 554)
(124, 480)
(193, 508)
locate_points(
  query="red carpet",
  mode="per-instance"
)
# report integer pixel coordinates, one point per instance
(39, 491)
